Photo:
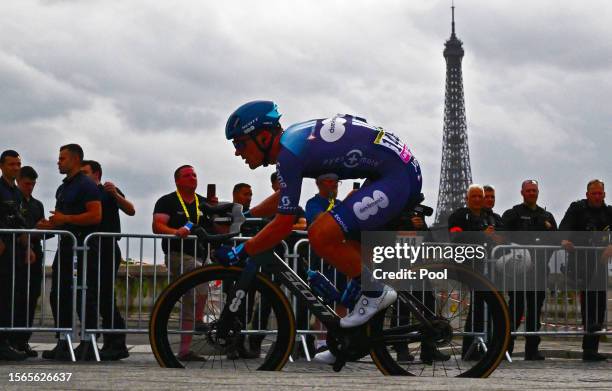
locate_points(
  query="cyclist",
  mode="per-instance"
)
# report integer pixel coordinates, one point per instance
(347, 146)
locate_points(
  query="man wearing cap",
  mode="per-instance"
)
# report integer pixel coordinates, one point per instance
(325, 199)
(320, 203)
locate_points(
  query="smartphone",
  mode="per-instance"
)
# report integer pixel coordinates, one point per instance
(211, 190)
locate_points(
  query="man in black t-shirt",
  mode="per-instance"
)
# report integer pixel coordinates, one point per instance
(109, 259)
(77, 209)
(175, 214)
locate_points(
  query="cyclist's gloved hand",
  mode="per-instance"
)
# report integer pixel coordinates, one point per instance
(230, 256)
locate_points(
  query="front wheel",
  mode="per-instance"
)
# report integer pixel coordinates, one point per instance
(184, 329)
(470, 333)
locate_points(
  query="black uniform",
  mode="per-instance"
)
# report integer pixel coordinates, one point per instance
(28, 278)
(581, 217)
(531, 222)
(110, 259)
(469, 223)
(10, 207)
(71, 199)
(464, 220)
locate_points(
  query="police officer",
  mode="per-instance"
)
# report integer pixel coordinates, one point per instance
(10, 203)
(28, 283)
(414, 220)
(493, 218)
(77, 209)
(590, 214)
(113, 200)
(530, 217)
(461, 224)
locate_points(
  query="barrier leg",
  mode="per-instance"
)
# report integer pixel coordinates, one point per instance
(70, 348)
(305, 346)
(94, 346)
(482, 343)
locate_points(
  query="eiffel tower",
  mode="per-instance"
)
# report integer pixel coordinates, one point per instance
(455, 172)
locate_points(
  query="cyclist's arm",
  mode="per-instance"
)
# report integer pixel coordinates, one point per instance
(278, 229)
(266, 207)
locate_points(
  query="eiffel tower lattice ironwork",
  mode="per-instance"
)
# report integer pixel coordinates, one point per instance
(455, 172)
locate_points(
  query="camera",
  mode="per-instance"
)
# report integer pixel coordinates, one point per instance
(11, 216)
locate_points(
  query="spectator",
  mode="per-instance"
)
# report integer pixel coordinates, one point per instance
(78, 210)
(590, 214)
(173, 214)
(460, 223)
(242, 194)
(109, 259)
(10, 202)
(493, 219)
(410, 220)
(325, 199)
(320, 203)
(528, 216)
(29, 288)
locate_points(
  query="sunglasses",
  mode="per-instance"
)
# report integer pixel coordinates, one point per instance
(239, 144)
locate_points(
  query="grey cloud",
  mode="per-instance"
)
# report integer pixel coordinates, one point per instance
(28, 93)
(147, 86)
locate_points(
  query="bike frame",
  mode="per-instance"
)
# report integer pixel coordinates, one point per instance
(299, 288)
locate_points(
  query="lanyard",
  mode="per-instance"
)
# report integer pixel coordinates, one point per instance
(197, 201)
(331, 205)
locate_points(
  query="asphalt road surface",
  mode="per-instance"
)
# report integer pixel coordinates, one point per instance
(141, 372)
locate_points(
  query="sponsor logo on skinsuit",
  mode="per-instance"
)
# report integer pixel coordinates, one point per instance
(333, 129)
(369, 206)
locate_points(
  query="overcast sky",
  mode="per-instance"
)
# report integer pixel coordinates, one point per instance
(145, 86)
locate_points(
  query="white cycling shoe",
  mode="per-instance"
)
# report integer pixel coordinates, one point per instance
(325, 357)
(367, 307)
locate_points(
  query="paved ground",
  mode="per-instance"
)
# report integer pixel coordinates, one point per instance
(141, 372)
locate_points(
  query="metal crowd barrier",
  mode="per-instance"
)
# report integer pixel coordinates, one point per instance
(22, 277)
(144, 272)
(555, 273)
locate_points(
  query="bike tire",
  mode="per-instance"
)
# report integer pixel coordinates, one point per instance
(497, 344)
(162, 330)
